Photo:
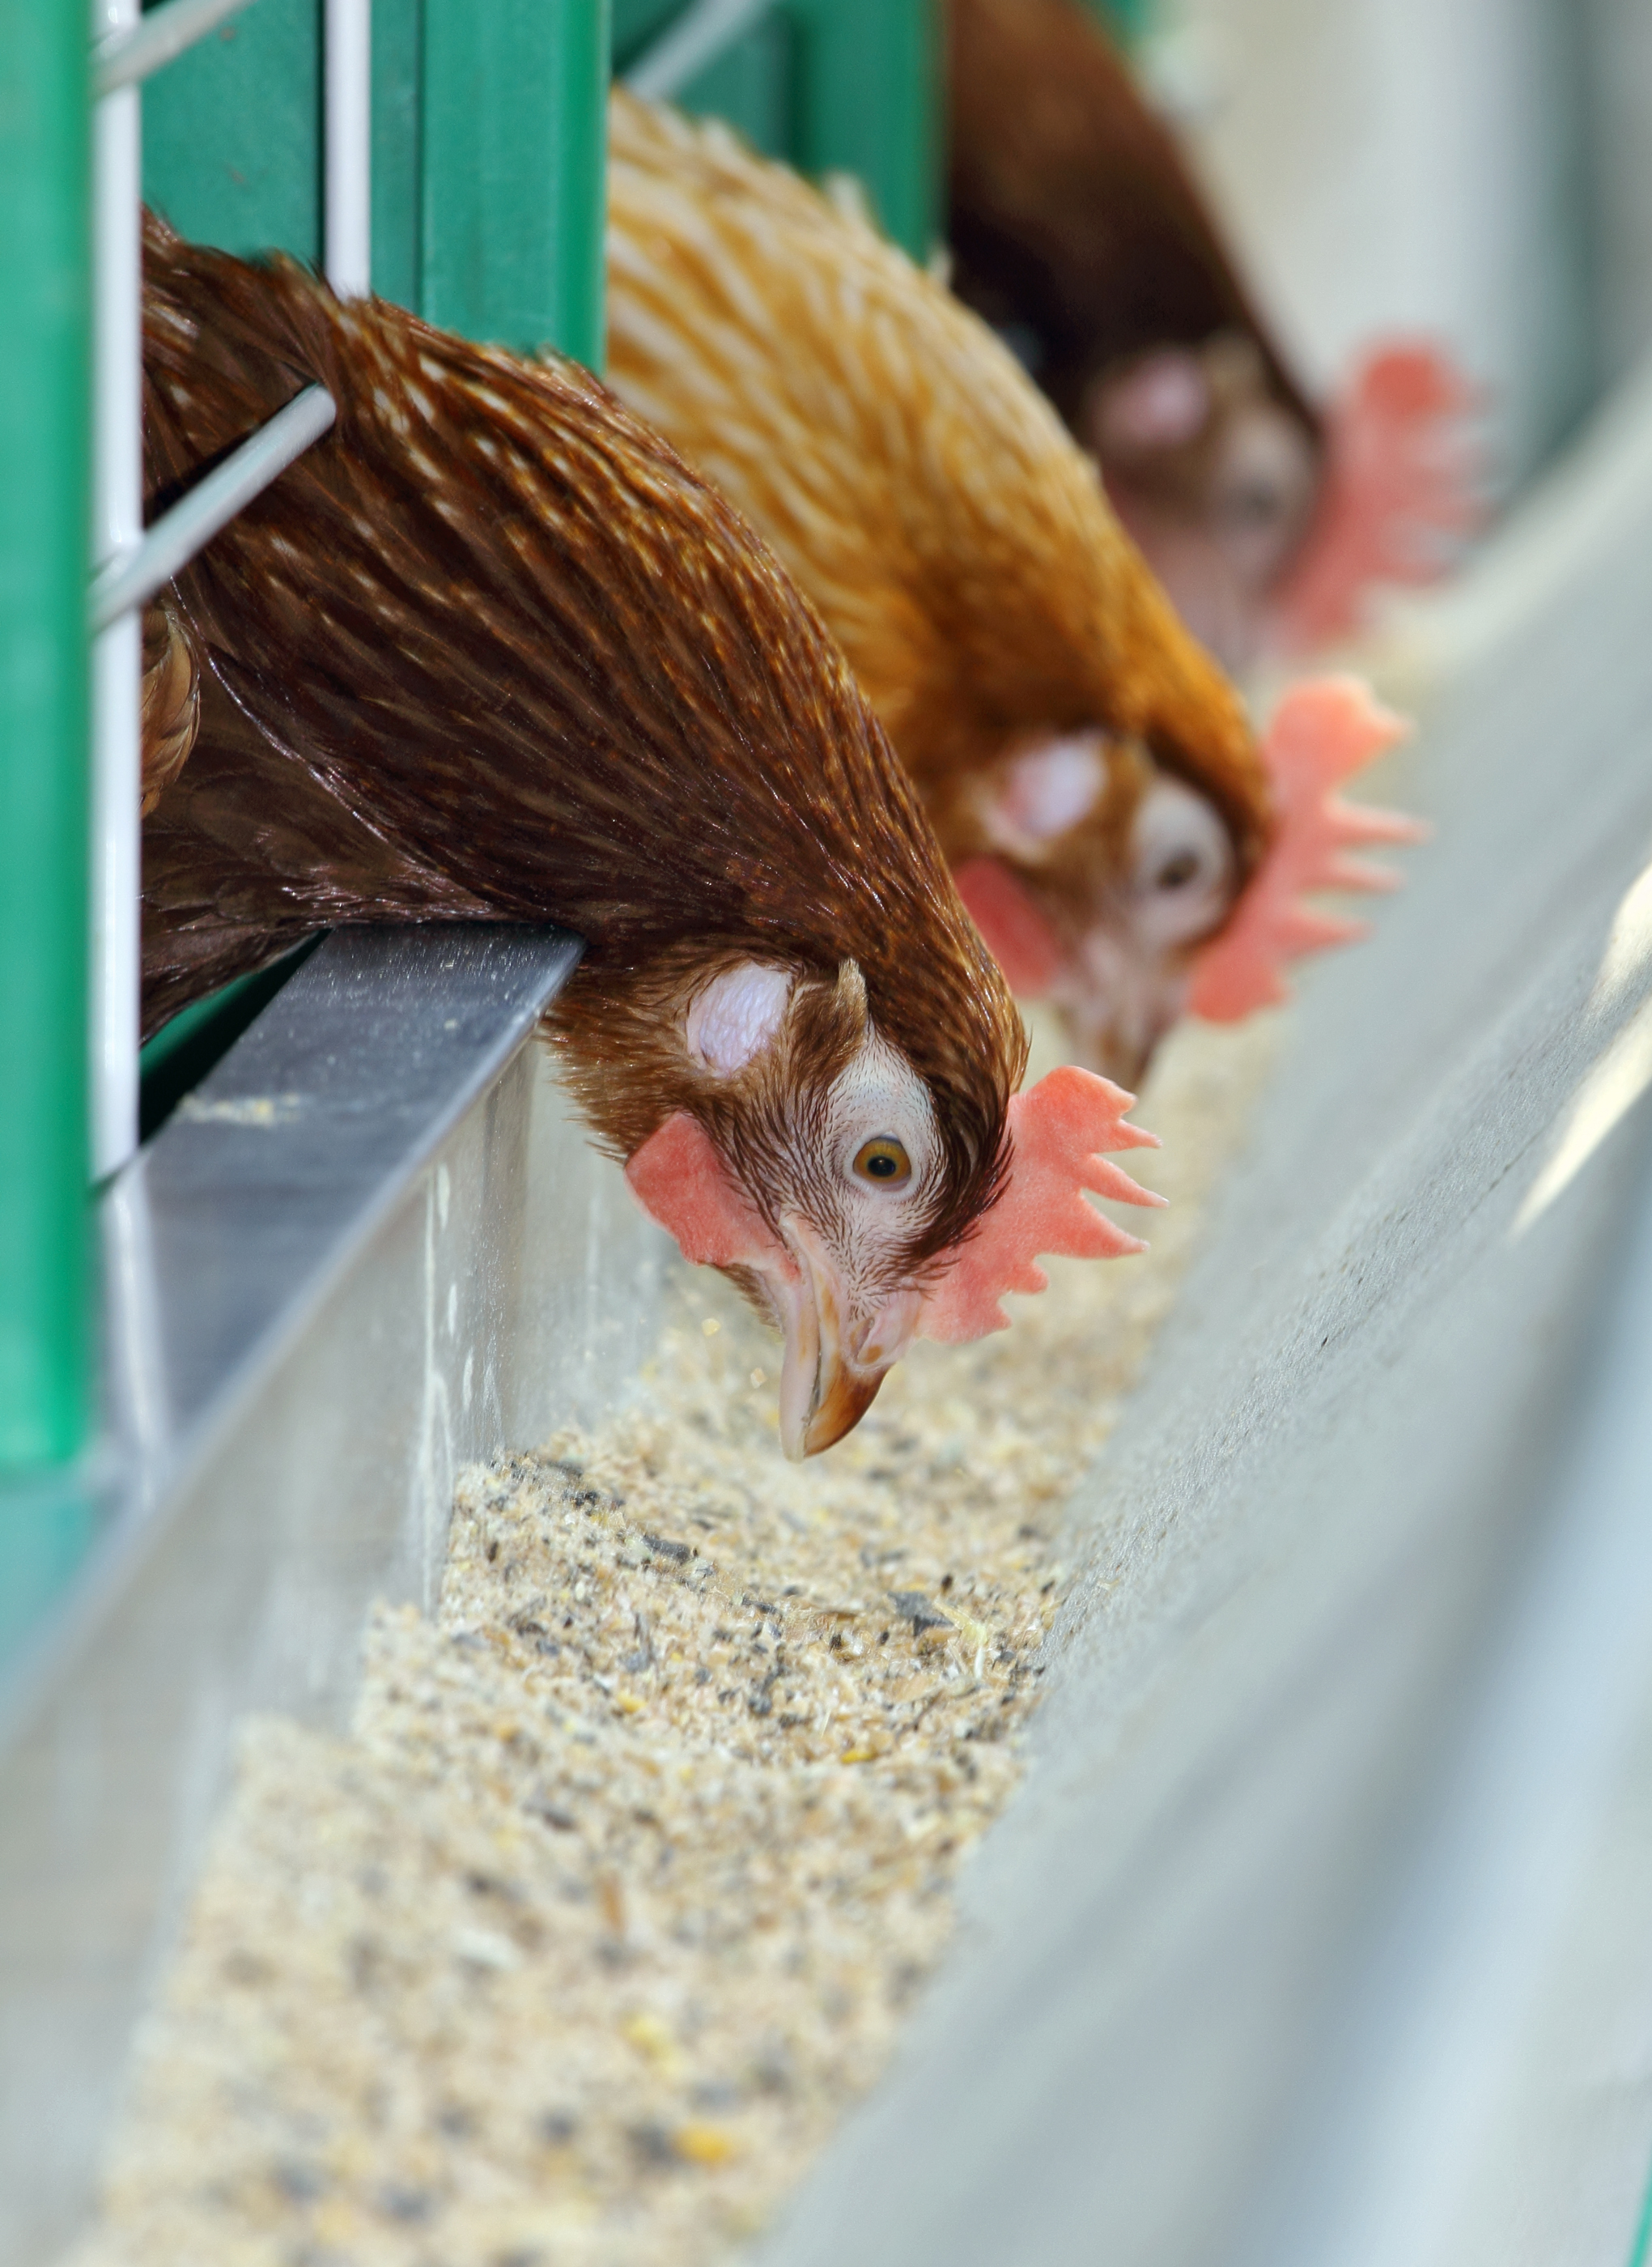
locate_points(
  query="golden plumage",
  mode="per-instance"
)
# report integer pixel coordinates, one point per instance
(913, 480)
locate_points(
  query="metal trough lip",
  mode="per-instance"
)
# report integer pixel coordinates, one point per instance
(225, 1236)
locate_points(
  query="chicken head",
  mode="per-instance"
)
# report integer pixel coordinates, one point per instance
(812, 1172)
(1111, 889)
(1213, 474)
(1097, 877)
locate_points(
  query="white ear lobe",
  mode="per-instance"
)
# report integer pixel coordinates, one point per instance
(1039, 796)
(737, 1014)
(1160, 403)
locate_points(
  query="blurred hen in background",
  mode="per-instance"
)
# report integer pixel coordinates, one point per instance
(1090, 770)
(1078, 229)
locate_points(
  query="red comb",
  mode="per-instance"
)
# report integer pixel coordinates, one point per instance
(679, 1179)
(1057, 1131)
(1400, 493)
(1323, 731)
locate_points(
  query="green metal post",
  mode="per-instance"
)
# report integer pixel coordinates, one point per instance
(397, 111)
(45, 507)
(232, 133)
(514, 170)
(867, 96)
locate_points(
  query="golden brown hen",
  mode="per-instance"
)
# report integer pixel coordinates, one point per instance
(489, 651)
(1054, 714)
(1089, 769)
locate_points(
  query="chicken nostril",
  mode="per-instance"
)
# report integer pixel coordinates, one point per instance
(881, 1338)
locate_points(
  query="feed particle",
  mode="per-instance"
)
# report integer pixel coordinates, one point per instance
(612, 1900)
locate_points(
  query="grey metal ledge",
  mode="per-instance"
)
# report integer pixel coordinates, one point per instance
(226, 1234)
(372, 1244)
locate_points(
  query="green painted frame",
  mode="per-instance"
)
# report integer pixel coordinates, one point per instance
(45, 767)
(848, 87)
(488, 156)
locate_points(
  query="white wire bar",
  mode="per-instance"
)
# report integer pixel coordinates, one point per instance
(137, 47)
(130, 566)
(347, 169)
(698, 36)
(117, 651)
(211, 504)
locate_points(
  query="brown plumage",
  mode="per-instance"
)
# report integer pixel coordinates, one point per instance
(488, 650)
(170, 699)
(1076, 227)
(1071, 211)
(958, 543)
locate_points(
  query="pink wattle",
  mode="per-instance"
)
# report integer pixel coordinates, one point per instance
(679, 1180)
(1323, 730)
(1057, 1130)
(1399, 495)
(1015, 931)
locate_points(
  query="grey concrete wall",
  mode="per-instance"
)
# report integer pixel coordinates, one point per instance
(512, 1287)
(1302, 1543)
(1416, 165)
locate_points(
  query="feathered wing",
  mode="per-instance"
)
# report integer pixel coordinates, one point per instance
(500, 651)
(246, 852)
(919, 487)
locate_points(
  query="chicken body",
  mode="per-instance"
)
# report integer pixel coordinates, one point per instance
(1078, 229)
(488, 650)
(1060, 722)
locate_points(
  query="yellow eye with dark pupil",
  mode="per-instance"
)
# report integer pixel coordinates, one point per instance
(883, 1162)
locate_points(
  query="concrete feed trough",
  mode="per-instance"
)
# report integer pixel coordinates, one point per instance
(1282, 1953)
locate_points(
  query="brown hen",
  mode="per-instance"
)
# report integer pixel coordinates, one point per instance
(488, 651)
(1078, 228)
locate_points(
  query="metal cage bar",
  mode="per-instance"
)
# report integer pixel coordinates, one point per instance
(132, 579)
(131, 565)
(703, 32)
(117, 648)
(137, 47)
(346, 216)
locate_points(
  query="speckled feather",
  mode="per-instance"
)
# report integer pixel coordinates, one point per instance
(490, 650)
(919, 487)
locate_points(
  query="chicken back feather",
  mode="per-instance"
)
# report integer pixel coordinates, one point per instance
(1078, 229)
(1033, 677)
(489, 650)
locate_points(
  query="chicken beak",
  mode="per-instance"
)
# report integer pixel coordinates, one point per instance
(1115, 1032)
(833, 1367)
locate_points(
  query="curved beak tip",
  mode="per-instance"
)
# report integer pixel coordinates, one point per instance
(831, 1372)
(844, 1399)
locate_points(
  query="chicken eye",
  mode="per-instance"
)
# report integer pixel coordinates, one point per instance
(883, 1162)
(1177, 872)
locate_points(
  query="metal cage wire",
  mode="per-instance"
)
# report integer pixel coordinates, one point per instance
(131, 564)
